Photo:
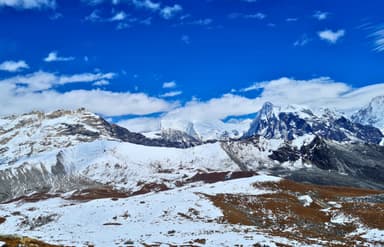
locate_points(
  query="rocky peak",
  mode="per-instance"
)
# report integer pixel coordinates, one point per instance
(372, 114)
(292, 122)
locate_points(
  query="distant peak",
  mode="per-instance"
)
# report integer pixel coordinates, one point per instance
(378, 100)
(267, 106)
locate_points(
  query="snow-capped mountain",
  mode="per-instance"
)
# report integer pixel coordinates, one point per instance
(36, 132)
(198, 130)
(78, 159)
(372, 114)
(292, 122)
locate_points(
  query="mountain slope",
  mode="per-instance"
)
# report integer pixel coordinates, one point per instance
(76, 175)
(260, 210)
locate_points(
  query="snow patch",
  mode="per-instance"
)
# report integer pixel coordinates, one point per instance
(306, 200)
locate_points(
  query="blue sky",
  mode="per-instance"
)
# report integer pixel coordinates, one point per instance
(160, 57)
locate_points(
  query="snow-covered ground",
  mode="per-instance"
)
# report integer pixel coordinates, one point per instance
(175, 217)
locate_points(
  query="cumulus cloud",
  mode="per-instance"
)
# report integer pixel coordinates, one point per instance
(331, 36)
(54, 57)
(41, 80)
(170, 84)
(216, 108)
(28, 4)
(169, 12)
(13, 66)
(36, 91)
(315, 93)
(141, 124)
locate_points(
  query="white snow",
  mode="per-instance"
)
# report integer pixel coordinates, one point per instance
(306, 200)
(174, 217)
(341, 218)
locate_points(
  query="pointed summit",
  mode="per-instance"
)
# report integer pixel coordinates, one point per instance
(372, 114)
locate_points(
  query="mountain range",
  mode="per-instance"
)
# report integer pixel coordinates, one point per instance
(199, 180)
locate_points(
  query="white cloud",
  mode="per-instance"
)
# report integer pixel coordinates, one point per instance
(320, 15)
(28, 4)
(101, 83)
(169, 12)
(148, 4)
(122, 25)
(53, 57)
(201, 22)
(291, 19)
(170, 84)
(302, 41)
(94, 16)
(315, 93)
(141, 124)
(331, 36)
(13, 66)
(41, 80)
(217, 108)
(259, 16)
(378, 36)
(120, 16)
(36, 92)
(171, 94)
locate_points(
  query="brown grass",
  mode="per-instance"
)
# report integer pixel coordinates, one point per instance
(15, 241)
(325, 192)
(279, 211)
(33, 198)
(370, 214)
(151, 187)
(98, 193)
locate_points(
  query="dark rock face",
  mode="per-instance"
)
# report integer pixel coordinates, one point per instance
(179, 138)
(333, 163)
(284, 154)
(273, 124)
(348, 164)
(360, 160)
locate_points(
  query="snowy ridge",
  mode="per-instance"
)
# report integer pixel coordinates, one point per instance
(36, 132)
(372, 114)
(206, 130)
(291, 122)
